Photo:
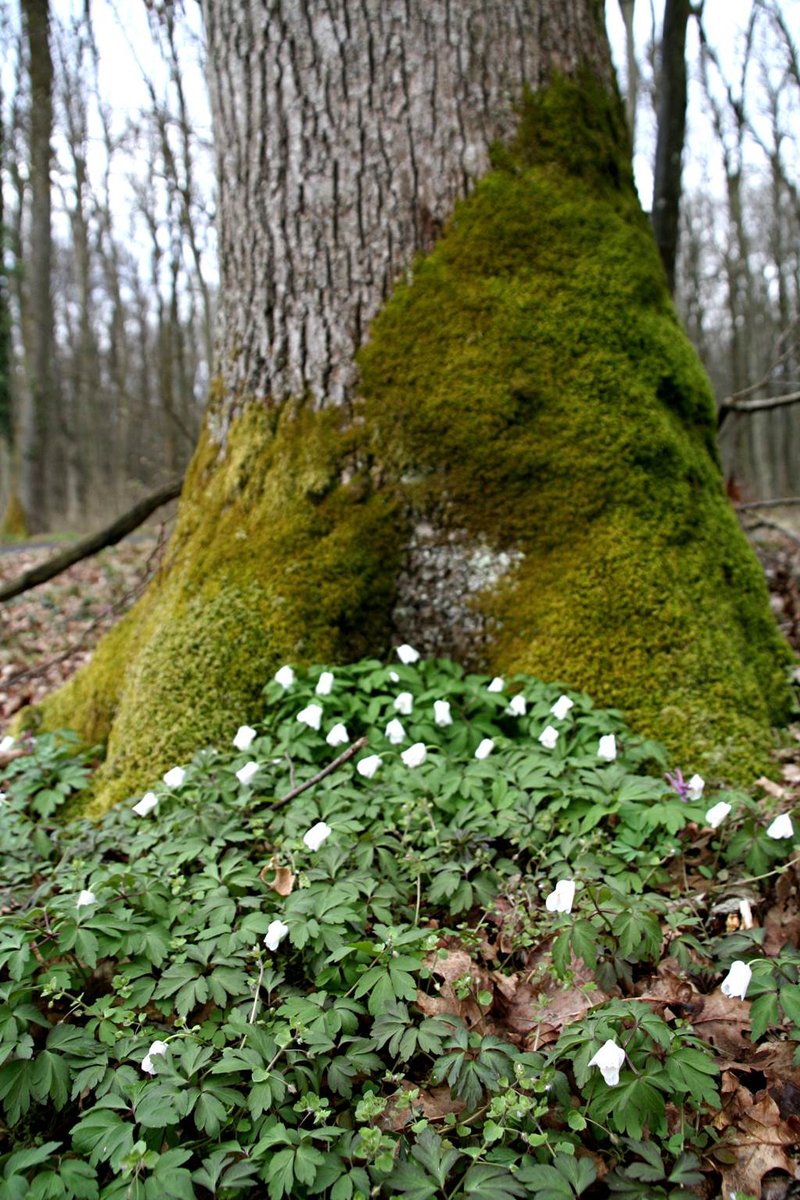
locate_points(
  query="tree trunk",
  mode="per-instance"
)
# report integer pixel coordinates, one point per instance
(40, 476)
(671, 134)
(455, 406)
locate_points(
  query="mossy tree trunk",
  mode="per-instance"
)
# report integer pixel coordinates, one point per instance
(454, 405)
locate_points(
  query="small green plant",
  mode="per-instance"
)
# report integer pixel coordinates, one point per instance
(286, 970)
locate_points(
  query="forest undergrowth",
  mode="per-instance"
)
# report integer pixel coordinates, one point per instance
(411, 933)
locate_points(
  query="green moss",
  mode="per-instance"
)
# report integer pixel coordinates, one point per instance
(14, 525)
(534, 380)
(275, 559)
(531, 388)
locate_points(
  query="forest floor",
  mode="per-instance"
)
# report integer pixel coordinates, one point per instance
(749, 1150)
(46, 634)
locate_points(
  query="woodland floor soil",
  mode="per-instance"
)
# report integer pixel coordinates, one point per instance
(46, 634)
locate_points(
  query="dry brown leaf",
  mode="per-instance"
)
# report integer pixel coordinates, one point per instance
(46, 634)
(759, 1139)
(449, 963)
(782, 922)
(724, 1022)
(771, 787)
(432, 1103)
(283, 883)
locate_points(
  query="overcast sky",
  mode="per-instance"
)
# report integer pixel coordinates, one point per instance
(127, 50)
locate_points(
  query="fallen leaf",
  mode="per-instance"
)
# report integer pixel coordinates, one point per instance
(283, 883)
(771, 787)
(759, 1140)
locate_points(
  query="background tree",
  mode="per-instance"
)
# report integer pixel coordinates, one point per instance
(131, 350)
(672, 97)
(521, 470)
(41, 422)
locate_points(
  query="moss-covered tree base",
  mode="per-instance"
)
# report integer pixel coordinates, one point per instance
(529, 393)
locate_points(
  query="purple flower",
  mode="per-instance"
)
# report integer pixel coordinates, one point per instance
(680, 785)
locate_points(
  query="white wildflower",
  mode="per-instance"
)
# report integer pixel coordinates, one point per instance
(85, 897)
(244, 737)
(415, 755)
(147, 803)
(245, 774)
(737, 981)
(275, 934)
(316, 835)
(485, 748)
(368, 766)
(311, 715)
(156, 1049)
(404, 704)
(716, 815)
(607, 748)
(338, 736)
(441, 712)
(497, 684)
(518, 707)
(695, 787)
(561, 707)
(175, 777)
(561, 899)
(609, 1058)
(324, 684)
(781, 827)
(407, 654)
(395, 732)
(548, 737)
(285, 677)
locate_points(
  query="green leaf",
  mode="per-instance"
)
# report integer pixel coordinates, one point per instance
(630, 1106)
(279, 1174)
(50, 1078)
(209, 1114)
(763, 1015)
(790, 1003)
(544, 1182)
(15, 1088)
(23, 1160)
(488, 1181)
(103, 1135)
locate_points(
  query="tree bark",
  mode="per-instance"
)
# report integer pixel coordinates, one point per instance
(455, 407)
(344, 136)
(39, 457)
(671, 134)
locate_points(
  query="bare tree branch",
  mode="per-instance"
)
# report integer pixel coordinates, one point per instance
(748, 406)
(87, 546)
(785, 502)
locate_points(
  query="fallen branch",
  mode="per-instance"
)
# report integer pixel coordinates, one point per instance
(95, 542)
(357, 745)
(113, 610)
(749, 406)
(786, 502)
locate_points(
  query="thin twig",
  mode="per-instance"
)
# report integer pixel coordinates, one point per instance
(785, 502)
(750, 406)
(357, 745)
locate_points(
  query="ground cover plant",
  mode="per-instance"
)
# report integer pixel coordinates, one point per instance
(414, 934)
